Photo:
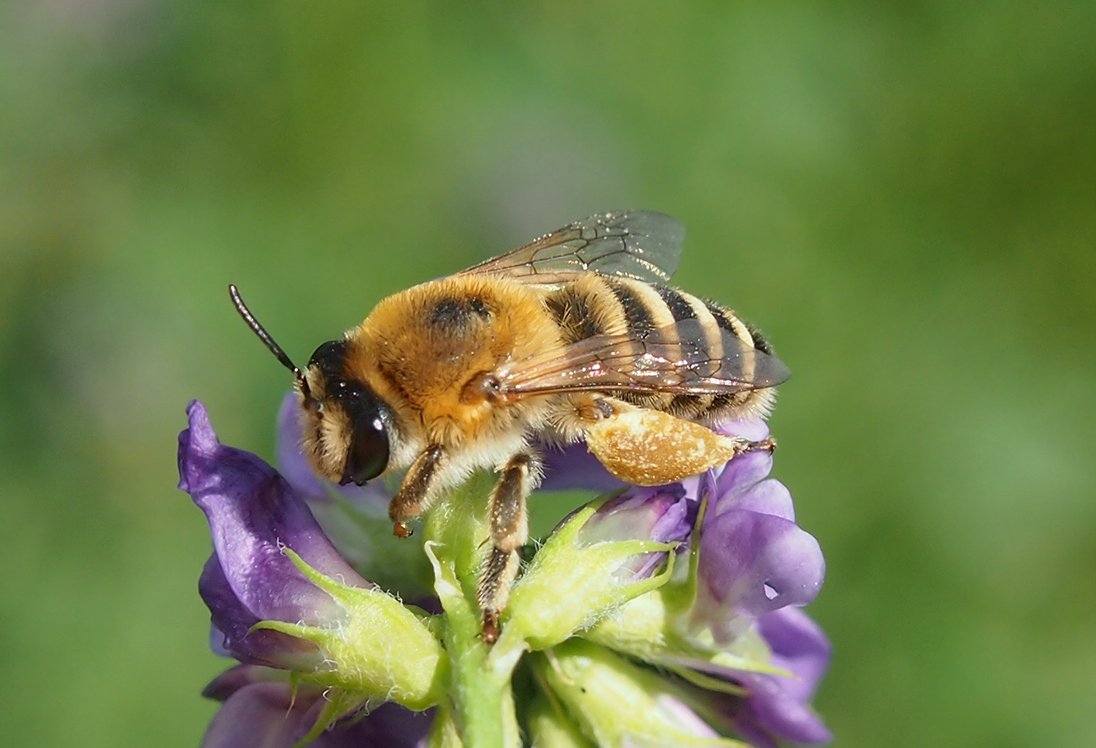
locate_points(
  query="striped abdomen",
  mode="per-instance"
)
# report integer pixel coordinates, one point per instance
(596, 304)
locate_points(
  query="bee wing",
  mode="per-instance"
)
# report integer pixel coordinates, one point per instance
(638, 244)
(683, 358)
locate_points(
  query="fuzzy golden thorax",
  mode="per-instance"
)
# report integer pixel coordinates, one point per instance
(429, 352)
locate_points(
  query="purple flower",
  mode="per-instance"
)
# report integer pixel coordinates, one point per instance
(702, 579)
(754, 558)
(664, 515)
(754, 567)
(253, 516)
(778, 707)
(323, 622)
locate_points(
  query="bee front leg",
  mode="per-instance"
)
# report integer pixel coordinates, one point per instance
(418, 491)
(509, 531)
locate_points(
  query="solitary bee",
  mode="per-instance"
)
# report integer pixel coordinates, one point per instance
(572, 337)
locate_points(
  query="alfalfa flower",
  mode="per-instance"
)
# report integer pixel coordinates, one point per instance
(683, 596)
(729, 621)
(280, 595)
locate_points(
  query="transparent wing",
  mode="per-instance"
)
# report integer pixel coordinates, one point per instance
(639, 244)
(684, 358)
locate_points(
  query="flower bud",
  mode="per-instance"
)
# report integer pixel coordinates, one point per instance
(593, 684)
(550, 726)
(600, 557)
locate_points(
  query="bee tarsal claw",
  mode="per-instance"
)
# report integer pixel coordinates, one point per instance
(768, 444)
(490, 627)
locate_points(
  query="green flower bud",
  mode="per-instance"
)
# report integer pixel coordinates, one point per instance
(593, 683)
(651, 628)
(551, 727)
(577, 578)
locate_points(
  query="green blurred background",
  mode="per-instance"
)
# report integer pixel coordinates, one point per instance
(902, 195)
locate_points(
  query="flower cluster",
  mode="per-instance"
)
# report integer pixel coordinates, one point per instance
(649, 616)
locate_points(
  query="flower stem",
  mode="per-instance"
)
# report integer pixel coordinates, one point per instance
(457, 541)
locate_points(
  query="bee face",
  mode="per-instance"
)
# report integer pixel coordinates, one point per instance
(346, 426)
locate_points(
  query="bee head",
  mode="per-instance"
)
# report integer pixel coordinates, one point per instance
(345, 425)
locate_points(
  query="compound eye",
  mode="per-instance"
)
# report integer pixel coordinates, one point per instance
(367, 455)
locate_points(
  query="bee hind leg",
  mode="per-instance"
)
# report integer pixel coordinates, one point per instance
(509, 531)
(648, 447)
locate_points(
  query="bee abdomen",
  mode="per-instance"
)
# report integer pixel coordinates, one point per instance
(572, 312)
(595, 304)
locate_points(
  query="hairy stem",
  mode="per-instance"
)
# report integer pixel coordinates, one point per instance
(457, 540)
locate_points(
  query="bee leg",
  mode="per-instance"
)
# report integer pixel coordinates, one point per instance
(768, 444)
(499, 572)
(649, 447)
(509, 531)
(418, 490)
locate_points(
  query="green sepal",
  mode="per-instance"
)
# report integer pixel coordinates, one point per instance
(549, 724)
(337, 704)
(705, 681)
(649, 628)
(593, 683)
(444, 732)
(381, 649)
(681, 595)
(571, 585)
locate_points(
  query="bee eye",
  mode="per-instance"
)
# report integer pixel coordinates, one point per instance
(367, 454)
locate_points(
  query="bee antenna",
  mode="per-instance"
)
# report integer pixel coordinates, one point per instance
(268, 341)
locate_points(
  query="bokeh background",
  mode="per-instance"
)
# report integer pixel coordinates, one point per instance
(902, 195)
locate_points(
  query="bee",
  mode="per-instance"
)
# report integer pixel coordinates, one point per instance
(573, 337)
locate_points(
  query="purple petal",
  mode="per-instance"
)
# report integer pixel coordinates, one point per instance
(664, 515)
(766, 716)
(660, 514)
(743, 483)
(262, 712)
(232, 621)
(389, 725)
(233, 679)
(294, 466)
(253, 514)
(575, 467)
(798, 646)
(753, 563)
(778, 707)
(754, 429)
(263, 715)
(216, 636)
